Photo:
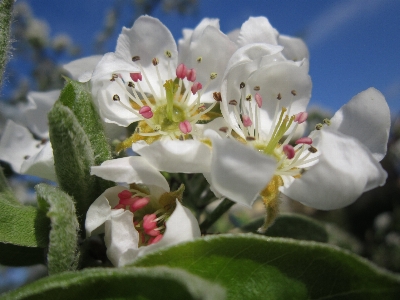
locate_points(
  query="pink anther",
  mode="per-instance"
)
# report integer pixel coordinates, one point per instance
(246, 121)
(149, 223)
(258, 100)
(304, 140)
(146, 112)
(118, 206)
(289, 151)
(136, 76)
(128, 201)
(196, 87)
(138, 204)
(125, 194)
(185, 127)
(154, 240)
(301, 117)
(181, 71)
(191, 75)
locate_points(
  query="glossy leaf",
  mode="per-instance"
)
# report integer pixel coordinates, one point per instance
(125, 283)
(256, 267)
(63, 247)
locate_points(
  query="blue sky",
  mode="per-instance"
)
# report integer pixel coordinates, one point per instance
(353, 44)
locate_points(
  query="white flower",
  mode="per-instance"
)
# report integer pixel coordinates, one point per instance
(25, 153)
(139, 219)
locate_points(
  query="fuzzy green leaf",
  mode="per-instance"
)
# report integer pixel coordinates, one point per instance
(78, 99)
(5, 28)
(125, 283)
(63, 247)
(256, 267)
(19, 256)
(73, 157)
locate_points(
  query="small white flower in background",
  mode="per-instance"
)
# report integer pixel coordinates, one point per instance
(139, 219)
(25, 153)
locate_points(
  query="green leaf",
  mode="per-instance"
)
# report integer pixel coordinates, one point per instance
(125, 283)
(63, 251)
(5, 28)
(256, 267)
(73, 157)
(293, 226)
(78, 99)
(19, 224)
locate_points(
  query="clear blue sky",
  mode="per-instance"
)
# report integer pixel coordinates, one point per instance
(353, 44)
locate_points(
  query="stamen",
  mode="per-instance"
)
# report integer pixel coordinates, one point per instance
(116, 98)
(258, 100)
(247, 121)
(327, 122)
(301, 117)
(217, 96)
(257, 88)
(294, 93)
(185, 127)
(181, 71)
(135, 58)
(304, 140)
(318, 126)
(155, 239)
(196, 87)
(139, 204)
(146, 112)
(199, 59)
(191, 75)
(289, 151)
(136, 77)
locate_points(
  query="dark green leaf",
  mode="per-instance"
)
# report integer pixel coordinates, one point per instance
(5, 29)
(292, 226)
(256, 267)
(18, 256)
(63, 247)
(78, 99)
(125, 283)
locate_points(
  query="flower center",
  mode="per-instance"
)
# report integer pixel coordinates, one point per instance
(275, 142)
(174, 112)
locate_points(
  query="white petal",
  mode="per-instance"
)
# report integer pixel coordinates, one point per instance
(215, 49)
(110, 63)
(257, 30)
(181, 226)
(100, 211)
(81, 69)
(41, 164)
(133, 169)
(365, 117)
(345, 170)
(17, 144)
(294, 48)
(120, 236)
(239, 172)
(149, 38)
(189, 156)
(281, 78)
(35, 118)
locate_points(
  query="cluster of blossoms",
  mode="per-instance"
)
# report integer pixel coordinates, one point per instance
(232, 107)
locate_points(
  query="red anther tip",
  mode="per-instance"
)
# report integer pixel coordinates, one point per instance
(195, 87)
(136, 76)
(185, 127)
(155, 239)
(304, 140)
(146, 112)
(258, 100)
(191, 75)
(246, 121)
(149, 222)
(138, 204)
(289, 151)
(125, 194)
(181, 71)
(301, 117)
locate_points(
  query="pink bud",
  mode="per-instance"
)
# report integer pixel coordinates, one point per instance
(128, 201)
(289, 151)
(146, 112)
(185, 127)
(195, 87)
(191, 75)
(246, 121)
(304, 140)
(258, 100)
(154, 240)
(138, 204)
(301, 117)
(181, 71)
(136, 76)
